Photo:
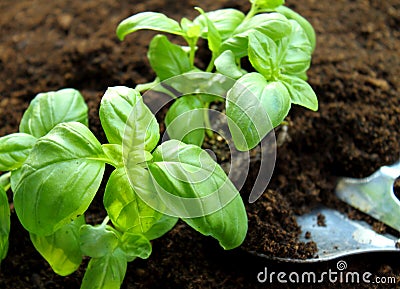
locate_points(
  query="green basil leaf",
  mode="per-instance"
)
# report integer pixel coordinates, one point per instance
(274, 25)
(62, 171)
(247, 120)
(135, 245)
(295, 51)
(14, 178)
(185, 120)
(161, 227)
(224, 20)
(309, 30)
(97, 241)
(191, 29)
(204, 196)
(276, 101)
(4, 223)
(300, 91)
(123, 108)
(61, 249)
(167, 59)
(207, 86)
(107, 272)
(51, 108)
(254, 107)
(14, 149)
(125, 208)
(141, 182)
(263, 54)
(141, 132)
(115, 107)
(148, 20)
(226, 65)
(114, 153)
(213, 36)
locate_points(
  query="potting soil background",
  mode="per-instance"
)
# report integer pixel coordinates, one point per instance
(49, 45)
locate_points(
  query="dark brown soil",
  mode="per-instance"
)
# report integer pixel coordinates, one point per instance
(47, 45)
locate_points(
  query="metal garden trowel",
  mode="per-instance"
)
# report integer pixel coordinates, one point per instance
(374, 195)
(337, 235)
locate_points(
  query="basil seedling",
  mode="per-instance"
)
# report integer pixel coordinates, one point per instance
(278, 43)
(56, 165)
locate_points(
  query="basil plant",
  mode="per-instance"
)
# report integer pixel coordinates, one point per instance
(277, 42)
(55, 165)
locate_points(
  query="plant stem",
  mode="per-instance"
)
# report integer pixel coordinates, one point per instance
(210, 66)
(192, 52)
(105, 221)
(147, 86)
(207, 122)
(5, 181)
(252, 12)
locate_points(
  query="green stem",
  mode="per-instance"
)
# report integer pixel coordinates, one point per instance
(147, 86)
(253, 11)
(207, 122)
(210, 66)
(192, 52)
(5, 181)
(105, 160)
(105, 221)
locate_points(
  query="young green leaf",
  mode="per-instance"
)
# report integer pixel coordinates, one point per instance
(254, 107)
(162, 226)
(226, 65)
(125, 208)
(97, 241)
(114, 154)
(196, 188)
(4, 223)
(167, 59)
(106, 272)
(275, 99)
(49, 109)
(263, 54)
(274, 25)
(207, 86)
(185, 120)
(14, 149)
(213, 36)
(135, 245)
(148, 20)
(121, 110)
(63, 171)
(300, 91)
(61, 249)
(309, 30)
(224, 20)
(191, 29)
(295, 51)
(141, 132)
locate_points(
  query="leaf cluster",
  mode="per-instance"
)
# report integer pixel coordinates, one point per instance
(54, 166)
(277, 42)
